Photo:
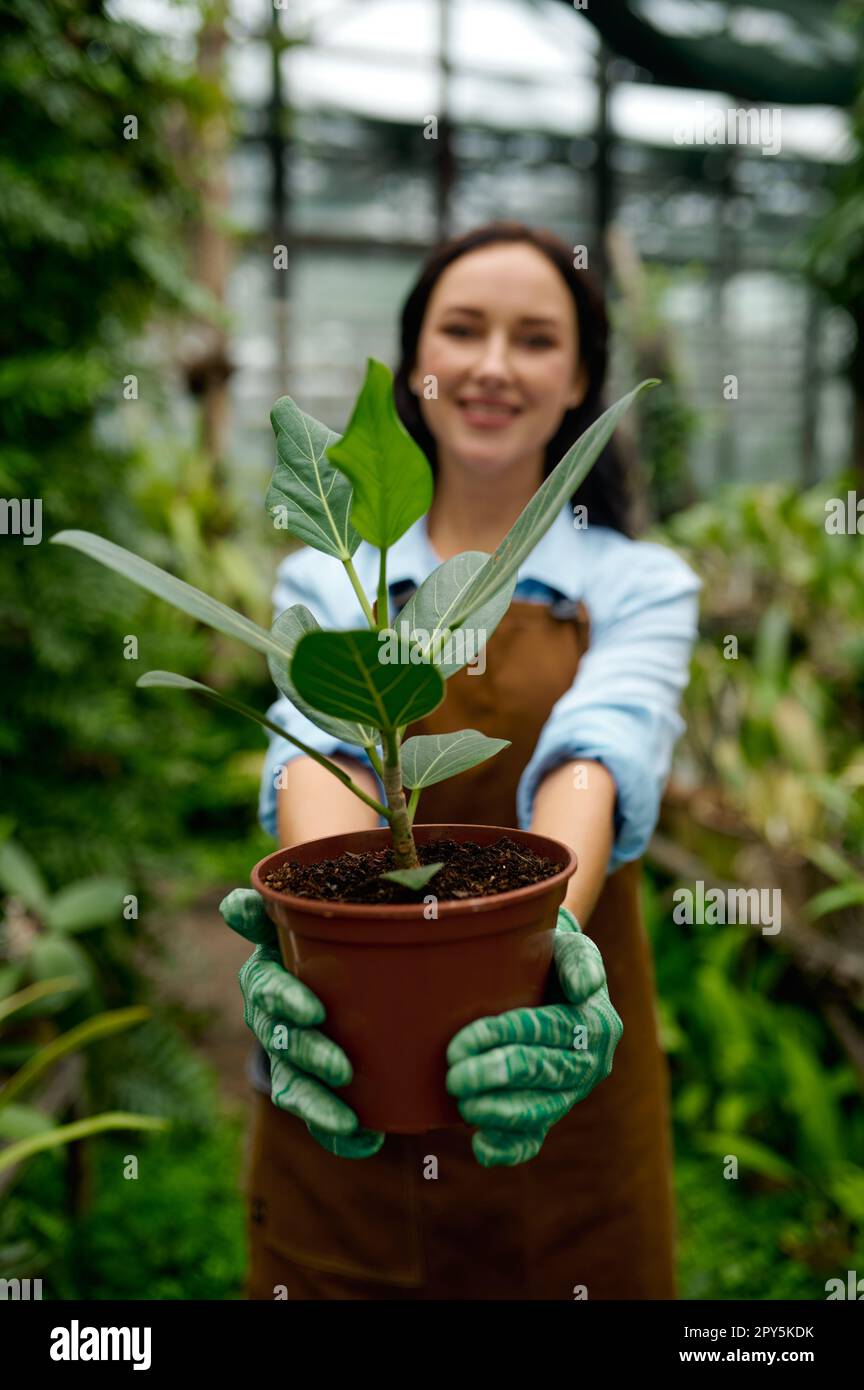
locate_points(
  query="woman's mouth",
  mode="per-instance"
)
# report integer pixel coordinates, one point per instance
(488, 414)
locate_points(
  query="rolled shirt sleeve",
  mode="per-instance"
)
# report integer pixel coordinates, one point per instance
(622, 708)
(320, 583)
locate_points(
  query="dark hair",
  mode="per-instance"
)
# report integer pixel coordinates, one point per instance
(605, 493)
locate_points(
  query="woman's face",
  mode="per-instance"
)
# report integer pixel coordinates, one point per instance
(500, 339)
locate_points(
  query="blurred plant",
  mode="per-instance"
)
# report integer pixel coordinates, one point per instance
(152, 1069)
(31, 1129)
(667, 423)
(93, 227)
(756, 1072)
(186, 1229)
(39, 928)
(197, 526)
(765, 1033)
(774, 708)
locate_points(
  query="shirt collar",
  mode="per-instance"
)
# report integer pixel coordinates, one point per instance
(555, 560)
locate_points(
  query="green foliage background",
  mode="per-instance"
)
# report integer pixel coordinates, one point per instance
(100, 777)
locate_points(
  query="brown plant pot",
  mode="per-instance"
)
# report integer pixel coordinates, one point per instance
(397, 986)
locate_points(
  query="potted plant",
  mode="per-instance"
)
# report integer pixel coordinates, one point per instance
(398, 968)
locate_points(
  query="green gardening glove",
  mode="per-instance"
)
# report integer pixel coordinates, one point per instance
(282, 1012)
(515, 1074)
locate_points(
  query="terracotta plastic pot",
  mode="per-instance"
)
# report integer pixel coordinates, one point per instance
(397, 985)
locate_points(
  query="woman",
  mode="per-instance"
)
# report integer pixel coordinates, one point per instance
(503, 361)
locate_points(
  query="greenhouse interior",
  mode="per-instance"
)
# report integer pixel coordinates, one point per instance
(209, 206)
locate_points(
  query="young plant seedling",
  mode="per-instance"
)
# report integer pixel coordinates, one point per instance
(363, 685)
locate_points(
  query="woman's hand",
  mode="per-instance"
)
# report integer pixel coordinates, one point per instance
(515, 1074)
(282, 1012)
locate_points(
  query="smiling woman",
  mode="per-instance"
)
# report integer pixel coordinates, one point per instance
(503, 363)
(567, 734)
(505, 336)
(500, 378)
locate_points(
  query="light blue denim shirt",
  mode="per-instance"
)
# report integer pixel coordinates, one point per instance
(622, 708)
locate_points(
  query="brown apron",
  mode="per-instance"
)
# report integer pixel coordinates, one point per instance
(595, 1207)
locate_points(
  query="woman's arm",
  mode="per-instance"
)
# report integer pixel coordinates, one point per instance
(622, 709)
(575, 803)
(311, 803)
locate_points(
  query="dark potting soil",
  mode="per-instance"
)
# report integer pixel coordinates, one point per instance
(470, 871)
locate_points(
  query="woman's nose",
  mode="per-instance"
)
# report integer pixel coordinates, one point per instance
(493, 361)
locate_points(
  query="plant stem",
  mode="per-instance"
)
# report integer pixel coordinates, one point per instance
(358, 589)
(404, 848)
(412, 805)
(383, 609)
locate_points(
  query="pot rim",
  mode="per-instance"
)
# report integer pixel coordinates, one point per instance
(409, 912)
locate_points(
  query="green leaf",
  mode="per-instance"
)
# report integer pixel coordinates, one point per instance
(430, 758)
(307, 496)
(828, 859)
(413, 878)
(52, 954)
(172, 680)
(771, 646)
(31, 994)
(20, 876)
(23, 1121)
(103, 1025)
(835, 899)
(341, 673)
(94, 902)
(437, 600)
(750, 1154)
(392, 479)
(79, 1129)
(289, 627)
(543, 508)
(846, 1185)
(165, 586)
(9, 978)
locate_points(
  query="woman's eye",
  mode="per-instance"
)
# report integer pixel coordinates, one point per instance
(533, 340)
